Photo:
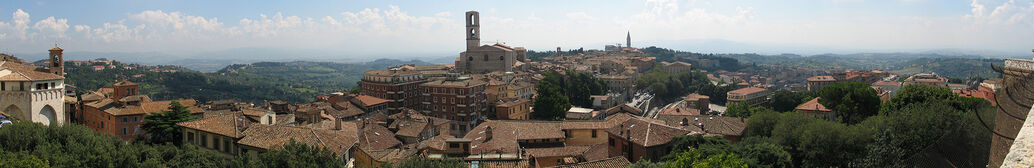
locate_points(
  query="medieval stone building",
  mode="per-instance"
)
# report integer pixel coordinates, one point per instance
(487, 58)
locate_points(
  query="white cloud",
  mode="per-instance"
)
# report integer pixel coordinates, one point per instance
(51, 27)
(20, 21)
(581, 16)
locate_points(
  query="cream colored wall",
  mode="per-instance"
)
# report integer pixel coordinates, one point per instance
(584, 137)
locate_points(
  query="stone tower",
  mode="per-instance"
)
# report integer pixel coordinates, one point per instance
(473, 31)
(628, 40)
(57, 61)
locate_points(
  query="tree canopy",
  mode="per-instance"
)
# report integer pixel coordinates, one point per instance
(161, 126)
(852, 101)
(293, 154)
(550, 104)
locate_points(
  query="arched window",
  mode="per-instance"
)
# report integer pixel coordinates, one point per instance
(500, 57)
(471, 58)
(486, 57)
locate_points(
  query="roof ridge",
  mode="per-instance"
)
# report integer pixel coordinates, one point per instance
(318, 139)
(646, 141)
(23, 75)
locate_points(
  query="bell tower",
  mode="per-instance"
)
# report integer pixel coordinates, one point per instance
(473, 31)
(57, 61)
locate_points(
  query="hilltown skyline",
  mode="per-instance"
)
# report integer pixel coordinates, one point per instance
(372, 28)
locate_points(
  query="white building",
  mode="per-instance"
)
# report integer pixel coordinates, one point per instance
(28, 93)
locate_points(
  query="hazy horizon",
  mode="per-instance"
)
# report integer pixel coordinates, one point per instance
(356, 30)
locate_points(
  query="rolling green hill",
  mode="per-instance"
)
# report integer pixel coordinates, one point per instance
(290, 81)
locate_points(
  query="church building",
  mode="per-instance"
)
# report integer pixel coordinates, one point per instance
(488, 58)
(29, 93)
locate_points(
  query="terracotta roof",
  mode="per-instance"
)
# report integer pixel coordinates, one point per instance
(720, 125)
(528, 130)
(453, 83)
(748, 90)
(887, 83)
(376, 137)
(597, 152)
(22, 72)
(557, 151)
(679, 108)
(267, 137)
(231, 125)
(618, 161)
(435, 143)
(106, 90)
(813, 105)
(611, 121)
(158, 106)
(345, 110)
(695, 97)
(625, 108)
(503, 139)
(504, 163)
(646, 133)
(370, 100)
(513, 103)
(822, 79)
(393, 155)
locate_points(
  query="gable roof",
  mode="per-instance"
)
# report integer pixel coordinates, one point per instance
(618, 161)
(268, 137)
(231, 125)
(813, 105)
(646, 133)
(22, 72)
(377, 137)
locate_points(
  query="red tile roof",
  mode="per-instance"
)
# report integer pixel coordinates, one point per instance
(813, 105)
(646, 133)
(822, 79)
(231, 125)
(268, 137)
(748, 90)
(619, 161)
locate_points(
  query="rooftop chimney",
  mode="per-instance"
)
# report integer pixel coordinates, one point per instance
(488, 133)
(337, 124)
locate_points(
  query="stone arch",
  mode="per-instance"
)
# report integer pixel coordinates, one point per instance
(49, 114)
(15, 112)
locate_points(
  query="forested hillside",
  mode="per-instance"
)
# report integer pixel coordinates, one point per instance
(290, 81)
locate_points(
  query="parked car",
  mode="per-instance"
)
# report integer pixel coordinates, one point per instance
(4, 121)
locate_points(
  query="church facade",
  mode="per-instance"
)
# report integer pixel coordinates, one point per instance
(488, 58)
(28, 93)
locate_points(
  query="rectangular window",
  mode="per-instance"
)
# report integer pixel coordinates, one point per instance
(594, 133)
(454, 145)
(611, 141)
(204, 140)
(125, 119)
(3, 85)
(190, 137)
(125, 131)
(215, 142)
(226, 145)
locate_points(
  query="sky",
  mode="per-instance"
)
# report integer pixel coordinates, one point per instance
(414, 27)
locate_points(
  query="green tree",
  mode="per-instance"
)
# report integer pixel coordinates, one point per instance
(73, 145)
(21, 160)
(785, 100)
(764, 154)
(852, 101)
(692, 158)
(161, 127)
(550, 103)
(293, 154)
(421, 162)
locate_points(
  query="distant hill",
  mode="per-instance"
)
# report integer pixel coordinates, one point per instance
(955, 66)
(951, 67)
(296, 82)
